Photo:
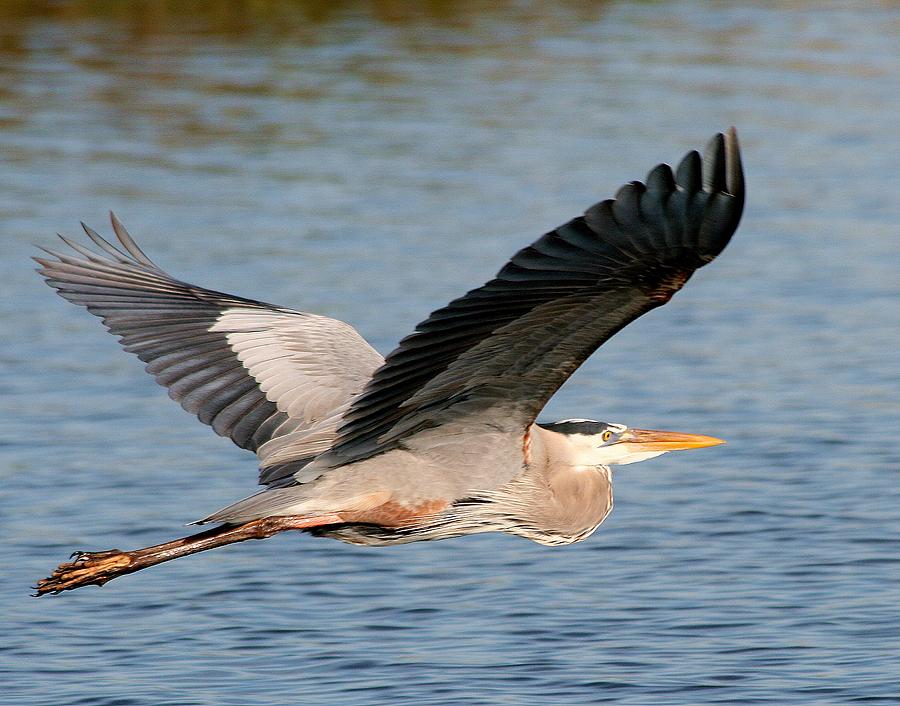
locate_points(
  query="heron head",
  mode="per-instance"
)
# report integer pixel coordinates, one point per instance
(609, 444)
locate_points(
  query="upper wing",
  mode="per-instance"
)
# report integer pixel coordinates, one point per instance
(275, 381)
(497, 354)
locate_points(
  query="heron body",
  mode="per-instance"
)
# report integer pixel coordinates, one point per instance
(439, 439)
(552, 498)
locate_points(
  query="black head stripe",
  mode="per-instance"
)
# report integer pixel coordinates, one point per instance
(576, 426)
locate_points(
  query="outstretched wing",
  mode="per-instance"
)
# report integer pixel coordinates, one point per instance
(506, 347)
(275, 381)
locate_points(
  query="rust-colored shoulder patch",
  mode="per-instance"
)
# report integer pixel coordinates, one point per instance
(394, 514)
(671, 283)
(661, 283)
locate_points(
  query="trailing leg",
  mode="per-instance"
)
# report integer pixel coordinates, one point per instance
(96, 568)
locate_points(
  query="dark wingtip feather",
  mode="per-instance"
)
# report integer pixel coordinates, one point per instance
(51, 253)
(128, 242)
(104, 244)
(735, 176)
(45, 264)
(723, 180)
(689, 173)
(92, 256)
(714, 162)
(722, 168)
(47, 267)
(661, 179)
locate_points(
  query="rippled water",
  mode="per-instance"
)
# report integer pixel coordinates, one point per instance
(371, 163)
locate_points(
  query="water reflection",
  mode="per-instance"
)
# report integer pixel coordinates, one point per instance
(370, 161)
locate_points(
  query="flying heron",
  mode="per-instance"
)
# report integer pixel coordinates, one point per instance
(439, 439)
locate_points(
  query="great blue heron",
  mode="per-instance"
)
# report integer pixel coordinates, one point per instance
(439, 439)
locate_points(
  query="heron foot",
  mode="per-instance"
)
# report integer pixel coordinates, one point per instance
(85, 569)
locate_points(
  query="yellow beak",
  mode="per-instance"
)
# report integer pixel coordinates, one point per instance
(650, 440)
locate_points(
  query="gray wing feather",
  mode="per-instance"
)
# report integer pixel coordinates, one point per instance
(275, 381)
(508, 346)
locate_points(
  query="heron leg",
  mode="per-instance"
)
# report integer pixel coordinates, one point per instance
(96, 568)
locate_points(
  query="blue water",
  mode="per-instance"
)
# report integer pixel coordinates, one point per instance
(371, 163)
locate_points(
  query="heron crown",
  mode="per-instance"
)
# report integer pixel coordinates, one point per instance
(587, 427)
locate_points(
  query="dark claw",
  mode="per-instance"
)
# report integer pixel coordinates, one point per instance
(84, 569)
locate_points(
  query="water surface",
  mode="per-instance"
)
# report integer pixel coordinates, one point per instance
(371, 163)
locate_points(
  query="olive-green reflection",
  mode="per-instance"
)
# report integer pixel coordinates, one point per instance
(142, 21)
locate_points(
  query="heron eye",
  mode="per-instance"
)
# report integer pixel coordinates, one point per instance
(606, 436)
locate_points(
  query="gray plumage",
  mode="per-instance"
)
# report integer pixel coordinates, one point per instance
(274, 380)
(439, 438)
